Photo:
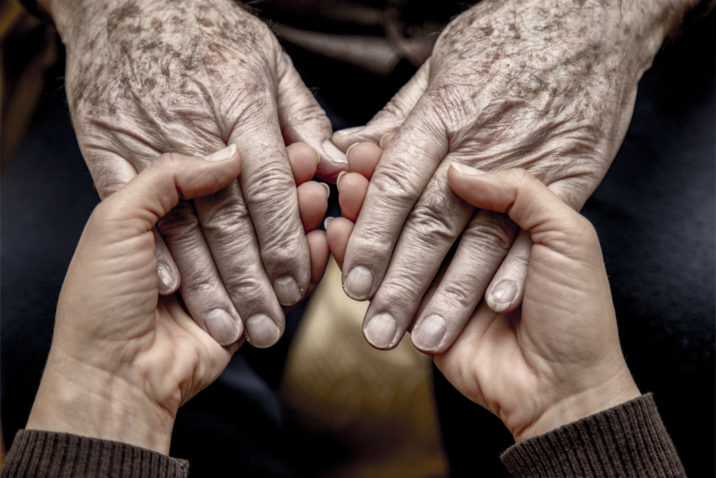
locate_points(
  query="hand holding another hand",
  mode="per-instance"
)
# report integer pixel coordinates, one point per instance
(123, 358)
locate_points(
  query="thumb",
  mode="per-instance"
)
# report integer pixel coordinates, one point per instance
(138, 206)
(528, 202)
(302, 119)
(391, 117)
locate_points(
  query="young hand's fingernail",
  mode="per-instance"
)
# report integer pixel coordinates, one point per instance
(287, 290)
(358, 283)
(222, 327)
(466, 170)
(327, 188)
(327, 221)
(262, 331)
(165, 279)
(429, 333)
(380, 330)
(338, 181)
(502, 295)
(223, 154)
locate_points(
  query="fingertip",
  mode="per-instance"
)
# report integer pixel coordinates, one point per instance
(352, 189)
(318, 250)
(303, 160)
(344, 138)
(505, 296)
(363, 158)
(312, 203)
(337, 233)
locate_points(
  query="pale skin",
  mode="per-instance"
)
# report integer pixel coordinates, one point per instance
(556, 358)
(146, 77)
(123, 357)
(544, 86)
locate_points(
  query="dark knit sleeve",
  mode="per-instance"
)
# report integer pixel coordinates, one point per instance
(36, 453)
(627, 440)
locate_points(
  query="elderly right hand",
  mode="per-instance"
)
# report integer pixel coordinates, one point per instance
(146, 77)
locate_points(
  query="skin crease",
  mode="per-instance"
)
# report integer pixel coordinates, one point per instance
(123, 358)
(556, 358)
(146, 77)
(544, 86)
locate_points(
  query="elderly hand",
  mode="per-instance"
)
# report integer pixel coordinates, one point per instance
(123, 358)
(151, 76)
(545, 86)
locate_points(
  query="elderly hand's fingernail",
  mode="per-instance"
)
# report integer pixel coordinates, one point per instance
(223, 154)
(222, 327)
(429, 333)
(385, 139)
(466, 170)
(502, 295)
(262, 331)
(358, 283)
(287, 290)
(338, 180)
(380, 330)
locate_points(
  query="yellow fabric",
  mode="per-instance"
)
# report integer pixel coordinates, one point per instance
(376, 405)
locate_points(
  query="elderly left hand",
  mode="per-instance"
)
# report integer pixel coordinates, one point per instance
(548, 87)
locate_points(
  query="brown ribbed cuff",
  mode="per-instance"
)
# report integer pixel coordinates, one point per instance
(39, 453)
(627, 440)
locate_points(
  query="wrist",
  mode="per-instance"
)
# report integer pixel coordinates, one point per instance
(80, 399)
(618, 389)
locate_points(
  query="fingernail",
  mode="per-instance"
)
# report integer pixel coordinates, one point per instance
(385, 139)
(358, 283)
(262, 331)
(327, 188)
(504, 292)
(327, 221)
(348, 151)
(287, 290)
(222, 327)
(164, 276)
(338, 181)
(223, 154)
(380, 330)
(429, 333)
(466, 170)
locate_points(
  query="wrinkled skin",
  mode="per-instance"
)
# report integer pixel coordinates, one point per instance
(544, 86)
(146, 77)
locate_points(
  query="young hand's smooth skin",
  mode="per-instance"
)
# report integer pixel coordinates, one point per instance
(557, 358)
(146, 77)
(123, 358)
(544, 86)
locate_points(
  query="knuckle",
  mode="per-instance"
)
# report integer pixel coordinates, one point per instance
(226, 221)
(272, 186)
(458, 294)
(402, 290)
(490, 232)
(179, 224)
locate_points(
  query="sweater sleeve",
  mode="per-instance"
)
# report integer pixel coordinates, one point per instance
(629, 440)
(40, 453)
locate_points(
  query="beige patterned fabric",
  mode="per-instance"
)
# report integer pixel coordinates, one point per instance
(378, 406)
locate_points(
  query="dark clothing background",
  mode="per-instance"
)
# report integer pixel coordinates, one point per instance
(654, 212)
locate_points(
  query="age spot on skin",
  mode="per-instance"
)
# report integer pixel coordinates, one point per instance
(120, 14)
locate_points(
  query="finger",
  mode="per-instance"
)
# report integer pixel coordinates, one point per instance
(303, 160)
(302, 119)
(318, 249)
(312, 203)
(363, 158)
(406, 166)
(528, 202)
(338, 230)
(507, 287)
(442, 316)
(352, 188)
(158, 188)
(391, 117)
(110, 172)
